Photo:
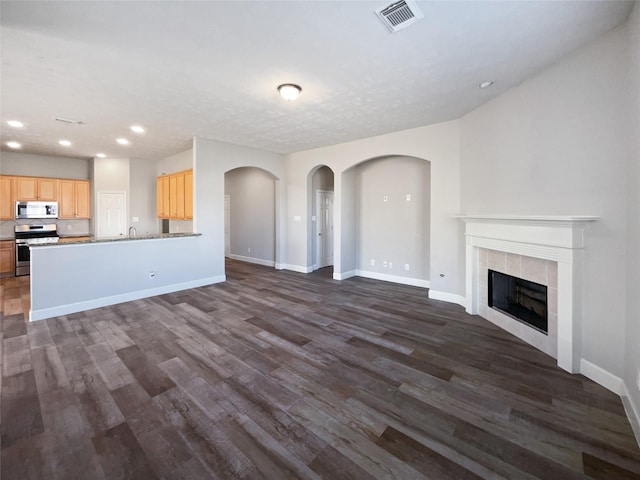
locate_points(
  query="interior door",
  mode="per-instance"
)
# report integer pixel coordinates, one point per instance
(112, 214)
(324, 206)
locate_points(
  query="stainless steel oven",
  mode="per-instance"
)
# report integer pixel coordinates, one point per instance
(27, 235)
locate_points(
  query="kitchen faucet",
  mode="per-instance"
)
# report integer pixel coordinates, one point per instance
(134, 231)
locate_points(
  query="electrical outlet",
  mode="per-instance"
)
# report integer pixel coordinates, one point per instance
(408, 197)
(385, 198)
(249, 250)
(390, 265)
(384, 264)
(373, 262)
(152, 275)
(406, 267)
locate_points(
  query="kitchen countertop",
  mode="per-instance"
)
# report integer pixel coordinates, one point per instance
(151, 236)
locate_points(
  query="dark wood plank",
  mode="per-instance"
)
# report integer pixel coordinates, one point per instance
(276, 374)
(20, 408)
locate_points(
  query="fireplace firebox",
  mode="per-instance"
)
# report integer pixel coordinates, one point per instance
(521, 299)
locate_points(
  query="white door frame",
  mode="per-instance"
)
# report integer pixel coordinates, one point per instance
(319, 263)
(227, 225)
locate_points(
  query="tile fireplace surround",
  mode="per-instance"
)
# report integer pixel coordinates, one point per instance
(547, 250)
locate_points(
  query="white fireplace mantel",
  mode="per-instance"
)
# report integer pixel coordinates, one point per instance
(553, 238)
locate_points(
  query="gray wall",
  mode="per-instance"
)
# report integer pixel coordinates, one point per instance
(142, 175)
(175, 163)
(13, 163)
(632, 359)
(395, 231)
(252, 193)
(558, 145)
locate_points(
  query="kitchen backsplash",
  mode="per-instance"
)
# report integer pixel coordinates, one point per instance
(65, 227)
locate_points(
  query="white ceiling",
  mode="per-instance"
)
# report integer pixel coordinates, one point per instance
(210, 69)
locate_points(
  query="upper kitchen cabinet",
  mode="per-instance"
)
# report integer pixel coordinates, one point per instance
(35, 188)
(175, 195)
(188, 194)
(7, 198)
(162, 185)
(75, 199)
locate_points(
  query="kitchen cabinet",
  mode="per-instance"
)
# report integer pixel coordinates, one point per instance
(36, 188)
(163, 196)
(175, 195)
(74, 199)
(7, 198)
(188, 194)
(7, 258)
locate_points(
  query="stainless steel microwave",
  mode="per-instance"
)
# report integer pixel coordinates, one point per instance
(36, 209)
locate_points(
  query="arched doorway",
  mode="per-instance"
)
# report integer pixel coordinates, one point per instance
(321, 203)
(250, 215)
(385, 220)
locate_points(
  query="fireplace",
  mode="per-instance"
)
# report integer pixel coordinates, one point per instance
(545, 250)
(520, 299)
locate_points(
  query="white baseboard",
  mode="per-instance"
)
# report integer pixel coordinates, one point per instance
(601, 376)
(44, 313)
(448, 297)
(296, 268)
(258, 261)
(344, 275)
(415, 282)
(633, 412)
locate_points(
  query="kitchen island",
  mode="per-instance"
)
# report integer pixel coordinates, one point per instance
(80, 275)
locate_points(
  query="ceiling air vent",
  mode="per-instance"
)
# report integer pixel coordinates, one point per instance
(399, 15)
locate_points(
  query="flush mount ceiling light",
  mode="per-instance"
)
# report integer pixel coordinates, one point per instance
(137, 129)
(486, 84)
(289, 91)
(15, 123)
(100, 155)
(122, 141)
(14, 145)
(64, 143)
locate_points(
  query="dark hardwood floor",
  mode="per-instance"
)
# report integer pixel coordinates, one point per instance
(280, 375)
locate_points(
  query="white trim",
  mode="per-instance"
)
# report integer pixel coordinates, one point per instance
(601, 376)
(124, 297)
(296, 268)
(344, 275)
(633, 412)
(280, 266)
(448, 297)
(414, 282)
(259, 261)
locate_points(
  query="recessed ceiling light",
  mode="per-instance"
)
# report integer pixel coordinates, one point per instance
(64, 143)
(486, 84)
(14, 145)
(15, 123)
(137, 129)
(100, 155)
(123, 141)
(289, 91)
